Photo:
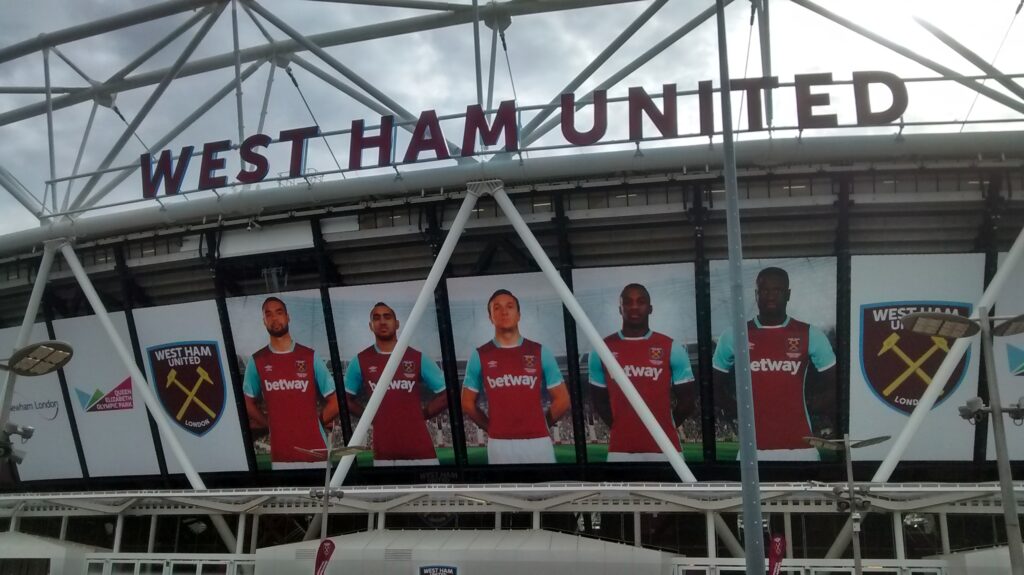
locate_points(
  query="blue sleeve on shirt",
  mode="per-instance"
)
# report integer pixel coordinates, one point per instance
(473, 372)
(251, 382)
(431, 374)
(820, 349)
(552, 375)
(596, 370)
(324, 381)
(679, 360)
(724, 357)
(353, 377)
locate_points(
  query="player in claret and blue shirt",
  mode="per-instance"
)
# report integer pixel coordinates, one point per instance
(782, 350)
(292, 381)
(416, 394)
(511, 371)
(659, 369)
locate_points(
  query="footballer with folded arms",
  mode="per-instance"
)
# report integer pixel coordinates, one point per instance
(415, 395)
(511, 372)
(660, 370)
(292, 381)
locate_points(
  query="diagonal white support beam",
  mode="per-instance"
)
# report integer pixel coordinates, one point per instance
(81, 31)
(20, 193)
(78, 157)
(121, 74)
(334, 38)
(144, 111)
(425, 297)
(536, 134)
(972, 57)
(598, 61)
(140, 385)
(397, 502)
(910, 54)
(932, 392)
(173, 133)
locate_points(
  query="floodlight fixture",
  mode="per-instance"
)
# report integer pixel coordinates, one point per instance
(946, 325)
(39, 358)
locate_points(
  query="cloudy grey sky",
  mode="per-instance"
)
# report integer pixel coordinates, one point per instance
(435, 70)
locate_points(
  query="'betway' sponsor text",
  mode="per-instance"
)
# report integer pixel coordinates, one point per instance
(286, 385)
(509, 380)
(783, 365)
(643, 371)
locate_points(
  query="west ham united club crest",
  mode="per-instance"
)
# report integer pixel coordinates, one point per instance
(300, 367)
(408, 368)
(793, 347)
(190, 383)
(657, 355)
(899, 365)
(529, 362)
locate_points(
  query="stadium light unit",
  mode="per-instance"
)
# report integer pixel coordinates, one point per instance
(34, 359)
(39, 358)
(954, 327)
(848, 445)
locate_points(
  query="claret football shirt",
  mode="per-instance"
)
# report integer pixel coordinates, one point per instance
(779, 358)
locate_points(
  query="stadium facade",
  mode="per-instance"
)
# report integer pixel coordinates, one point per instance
(160, 466)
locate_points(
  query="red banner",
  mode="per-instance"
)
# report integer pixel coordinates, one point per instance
(776, 551)
(323, 555)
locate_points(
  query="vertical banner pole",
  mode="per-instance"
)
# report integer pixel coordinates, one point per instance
(140, 385)
(752, 534)
(26, 327)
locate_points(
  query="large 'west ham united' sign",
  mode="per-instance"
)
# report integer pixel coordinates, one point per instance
(427, 136)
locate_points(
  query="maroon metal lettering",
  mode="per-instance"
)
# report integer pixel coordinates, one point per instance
(476, 125)
(249, 155)
(422, 142)
(211, 163)
(361, 141)
(171, 178)
(298, 138)
(862, 96)
(640, 103)
(568, 122)
(753, 87)
(806, 101)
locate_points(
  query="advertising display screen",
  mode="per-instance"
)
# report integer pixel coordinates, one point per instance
(648, 317)
(288, 388)
(891, 368)
(111, 416)
(38, 402)
(510, 345)
(186, 364)
(791, 311)
(412, 425)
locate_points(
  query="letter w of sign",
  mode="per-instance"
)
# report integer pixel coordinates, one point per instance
(190, 394)
(913, 366)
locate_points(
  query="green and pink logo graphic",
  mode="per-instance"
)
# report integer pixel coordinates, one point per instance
(114, 400)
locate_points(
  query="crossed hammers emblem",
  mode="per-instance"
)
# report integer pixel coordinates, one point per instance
(190, 394)
(913, 366)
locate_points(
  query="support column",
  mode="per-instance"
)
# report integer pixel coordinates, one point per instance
(151, 544)
(787, 529)
(709, 528)
(118, 532)
(944, 532)
(240, 540)
(636, 529)
(897, 532)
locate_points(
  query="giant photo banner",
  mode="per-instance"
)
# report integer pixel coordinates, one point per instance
(112, 419)
(412, 425)
(1008, 353)
(38, 402)
(288, 384)
(890, 369)
(186, 365)
(648, 317)
(512, 385)
(791, 313)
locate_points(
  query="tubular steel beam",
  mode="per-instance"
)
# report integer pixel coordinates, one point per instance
(910, 54)
(534, 135)
(20, 193)
(129, 130)
(100, 27)
(327, 39)
(973, 58)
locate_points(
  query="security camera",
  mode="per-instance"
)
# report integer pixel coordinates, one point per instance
(25, 431)
(973, 411)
